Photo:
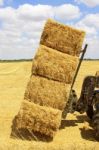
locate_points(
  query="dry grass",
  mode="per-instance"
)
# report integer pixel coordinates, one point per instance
(35, 118)
(54, 64)
(73, 136)
(47, 92)
(62, 38)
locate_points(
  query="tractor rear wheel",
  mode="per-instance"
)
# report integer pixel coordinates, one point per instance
(95, 118)
(90, 112)
(96, 125)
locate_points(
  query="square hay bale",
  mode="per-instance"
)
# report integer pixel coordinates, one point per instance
(54, 65)
(63, 38)
(47, 92)
(35, 118)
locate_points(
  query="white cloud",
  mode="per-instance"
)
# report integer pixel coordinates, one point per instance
(90, 30)
(66, 12)
(90, 23)
(8, 15)
(92, 20)
(90, 3)
(93, 47)
(37, 12)
(20, 28)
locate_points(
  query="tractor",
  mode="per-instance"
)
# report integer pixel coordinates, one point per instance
(89, 98)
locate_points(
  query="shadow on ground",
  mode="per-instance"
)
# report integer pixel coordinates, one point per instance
(88, 134)
(68, 123)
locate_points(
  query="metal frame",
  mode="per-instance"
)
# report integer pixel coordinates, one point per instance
(69, 103)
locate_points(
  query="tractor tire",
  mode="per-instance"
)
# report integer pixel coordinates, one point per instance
(96, 125)
(90, 112)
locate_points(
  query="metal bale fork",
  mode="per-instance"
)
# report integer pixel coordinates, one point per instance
(72, 95)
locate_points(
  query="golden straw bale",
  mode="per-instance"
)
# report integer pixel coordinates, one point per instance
(62, 37)
(44, 120)
(54, 65)
(47, 92)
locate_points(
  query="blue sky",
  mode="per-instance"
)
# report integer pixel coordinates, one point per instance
(22, 22)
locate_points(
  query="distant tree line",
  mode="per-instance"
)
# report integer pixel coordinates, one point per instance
(15, 60)
(22, 60)
(89, 59)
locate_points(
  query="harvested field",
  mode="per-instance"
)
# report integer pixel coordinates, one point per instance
(54, 65)
(62, 38)
(76, 133)
(47, 92)
(35, 118)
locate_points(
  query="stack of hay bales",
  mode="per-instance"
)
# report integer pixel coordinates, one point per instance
(53, 70)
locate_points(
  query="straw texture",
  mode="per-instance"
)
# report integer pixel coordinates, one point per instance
(38, 119)
(54, 65)
(62, 38)
(47, 92)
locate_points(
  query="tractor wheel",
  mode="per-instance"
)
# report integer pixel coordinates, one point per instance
(90, 112)
(96, 125)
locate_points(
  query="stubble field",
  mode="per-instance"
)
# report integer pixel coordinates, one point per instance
(76, 134)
